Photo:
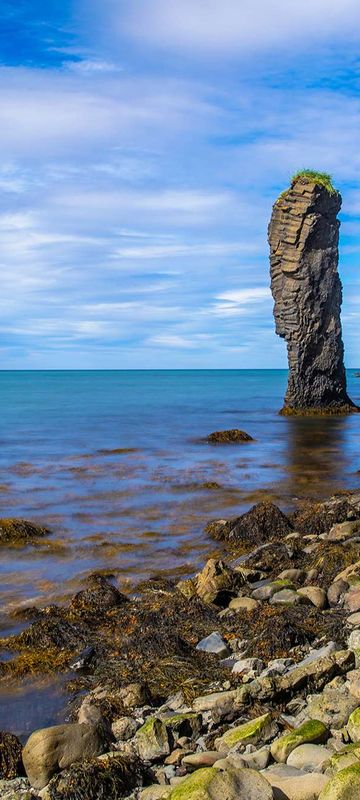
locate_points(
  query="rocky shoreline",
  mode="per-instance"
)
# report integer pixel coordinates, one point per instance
(242, 682)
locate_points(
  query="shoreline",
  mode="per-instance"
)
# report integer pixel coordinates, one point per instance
(256, 614)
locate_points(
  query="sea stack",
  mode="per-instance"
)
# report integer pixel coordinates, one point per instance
(303, 239)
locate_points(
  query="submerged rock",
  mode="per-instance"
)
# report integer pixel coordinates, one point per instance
(229, 437)
(20, 530)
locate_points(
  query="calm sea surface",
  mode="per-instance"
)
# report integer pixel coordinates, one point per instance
(143, 510)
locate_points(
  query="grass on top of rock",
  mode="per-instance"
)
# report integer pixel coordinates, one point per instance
(311, 175)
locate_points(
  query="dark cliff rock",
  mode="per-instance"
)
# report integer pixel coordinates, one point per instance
(303, 239)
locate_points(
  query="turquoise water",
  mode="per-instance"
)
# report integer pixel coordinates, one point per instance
(142, 511)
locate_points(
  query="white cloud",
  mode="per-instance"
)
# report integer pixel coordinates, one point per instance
(238, 26)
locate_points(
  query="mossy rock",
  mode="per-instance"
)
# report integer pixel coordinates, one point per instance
(152, 740)
(20, 531)
(345, 785)
(187, 724)
(312, 731)
(210, 783)
(345, 758)
(353, 725)
(248, 733)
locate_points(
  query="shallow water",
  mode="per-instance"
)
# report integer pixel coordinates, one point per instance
(142, 510)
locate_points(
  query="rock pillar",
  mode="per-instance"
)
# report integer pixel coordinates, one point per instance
(303, 239)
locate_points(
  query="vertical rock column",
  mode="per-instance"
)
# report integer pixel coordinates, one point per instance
(303, 239)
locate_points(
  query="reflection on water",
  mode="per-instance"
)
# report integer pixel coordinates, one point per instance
(112, 463)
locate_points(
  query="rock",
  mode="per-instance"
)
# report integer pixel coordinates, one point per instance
(213, 644)
(124, 728)
(299, 787)
(343, 531)
(235, 697)
(186, 724)
(258, 759)
(332, 707)
(216, 583)
(310, 732)
(336, 591)
(353, 641)
(20, 531)
(264, 592)
(99, 597)
(152, 740)
(261, 523)
(211, 784)
(134, 695)
(248, 733)
(248, 666)
(317, 669)
(352, 600)
(187, 588)
(229, 705)
(350, 574)
(155, 792)
(203, 758)
(346, 757)
(11, 765)
(303, 239)
(353, 725)
(315, 594)
(244, 604)
(113, 775)
(293, 575)
(345, 785)
(49, 750)
(286, 597)
(229, 437)
(309, 757)
(353, 683)
(354, 619)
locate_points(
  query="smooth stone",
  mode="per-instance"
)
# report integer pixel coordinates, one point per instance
(336, 592)
(263, 592)
(244, 604)
(207, 702)
(257, 760)
(205, 758)
(213, 644)
(248, 666)
(296, 575)
(351, 574)
(302, 787)
(231, 784)
(50, 750)
(345, 785)
(352, 600)
(343, 530)
(309, 732)
(286, 597)
(155, 792)
(315, 594)
(309, 757)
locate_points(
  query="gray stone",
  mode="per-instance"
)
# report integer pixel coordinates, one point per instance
(213, 644)
(354, 619)
(315, 594)
(309, 757)
(332, 707)
(124, 728)
(152, 740)
(286, 597)
(299, 787)
(303, 239)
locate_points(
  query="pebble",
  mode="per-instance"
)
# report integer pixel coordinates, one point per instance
(213, 644)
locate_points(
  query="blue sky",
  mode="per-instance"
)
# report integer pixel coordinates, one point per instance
(142, 145)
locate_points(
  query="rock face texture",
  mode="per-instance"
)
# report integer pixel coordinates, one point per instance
(303, 238)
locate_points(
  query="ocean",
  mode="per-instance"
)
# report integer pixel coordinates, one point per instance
(117, 465)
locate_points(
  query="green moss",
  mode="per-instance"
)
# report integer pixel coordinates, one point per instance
(345, 785)
(311, 731)
(311, 175)
(195, 786)
(283, 584)
(246, 733)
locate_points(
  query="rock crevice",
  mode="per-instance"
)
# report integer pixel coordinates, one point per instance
(303, 237)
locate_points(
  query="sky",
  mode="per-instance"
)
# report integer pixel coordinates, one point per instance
(142, 145)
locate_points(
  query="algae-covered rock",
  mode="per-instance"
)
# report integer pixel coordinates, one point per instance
(187, 724)
(232, 436)
(260, 524)
(345, 785)
(113, 775)
(312, 731)
(49, 750)
(20, 530)
(349, 755)
(16, 789)
(11, 765)
(353, 725)
(152, 740)
(233, 784)
(248, 733)
(99, 596)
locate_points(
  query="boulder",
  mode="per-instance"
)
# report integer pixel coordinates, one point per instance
(134, 695)
(315, 595)
(352, 600)
(124, 728)
(298, 787)
(50, 750)
(233, 784)
(233, 698)
(353, 725)
(345, 785)
(312, 731)
(286, 597)
(216, 583)
(309, 757)
(332, 707)
(317, 669)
